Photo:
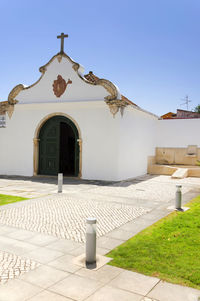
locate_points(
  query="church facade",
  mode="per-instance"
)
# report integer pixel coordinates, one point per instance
(76, 124)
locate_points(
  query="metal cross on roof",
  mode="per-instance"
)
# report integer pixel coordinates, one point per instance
(62, 36)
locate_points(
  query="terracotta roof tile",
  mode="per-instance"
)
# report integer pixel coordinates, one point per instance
(128, 100)
(91, 77)
(181, 114)
(168, 115)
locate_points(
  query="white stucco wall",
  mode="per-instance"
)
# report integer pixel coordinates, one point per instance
(112, 148)
(137, 138)
(177, 132)
(98, 131)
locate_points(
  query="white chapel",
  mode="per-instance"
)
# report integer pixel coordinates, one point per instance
(75, 124)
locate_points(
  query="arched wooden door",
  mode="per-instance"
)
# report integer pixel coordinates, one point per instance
(59, 147)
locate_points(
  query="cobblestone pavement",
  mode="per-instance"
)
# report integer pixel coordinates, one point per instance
(64, 217)
(160, 188)
(12, 266)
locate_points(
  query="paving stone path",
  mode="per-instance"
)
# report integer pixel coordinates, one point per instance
(65, 217)
(41, 238)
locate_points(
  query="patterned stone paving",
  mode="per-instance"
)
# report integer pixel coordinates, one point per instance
(151, 190)
(12, 266)
(64, 217)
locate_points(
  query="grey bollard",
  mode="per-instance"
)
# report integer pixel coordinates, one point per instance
(60, 182)
(178, 197)
(91, 240)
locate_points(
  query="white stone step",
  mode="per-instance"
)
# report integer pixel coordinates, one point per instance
(180, 173)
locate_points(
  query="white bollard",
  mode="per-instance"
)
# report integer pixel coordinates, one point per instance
(91, 240)
(178, 197)
(60, 182)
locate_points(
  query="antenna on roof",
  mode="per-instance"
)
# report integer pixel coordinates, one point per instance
(187, 100)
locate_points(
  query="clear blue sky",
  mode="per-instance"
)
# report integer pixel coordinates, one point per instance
(149, 48)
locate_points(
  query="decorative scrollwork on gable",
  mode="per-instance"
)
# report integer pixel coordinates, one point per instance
(5, 107)
(12, 95)
(114, 100)
(112, 90)
(8, 106)
(116, 105)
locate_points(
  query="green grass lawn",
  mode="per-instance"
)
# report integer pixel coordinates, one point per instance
(7, 199)
(169, 249)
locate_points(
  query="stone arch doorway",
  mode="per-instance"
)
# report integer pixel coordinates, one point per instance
(58, 145)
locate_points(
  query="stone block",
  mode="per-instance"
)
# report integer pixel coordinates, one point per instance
(165, 155)
(134, 282)
(108, 293)
(166, 291)
(76, 287)
(44, 276)
(180, 173)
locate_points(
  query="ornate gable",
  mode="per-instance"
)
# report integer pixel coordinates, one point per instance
(62, 80)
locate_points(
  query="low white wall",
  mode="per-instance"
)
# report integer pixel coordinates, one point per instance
(98, 130)
(137, 141)
(177, 132)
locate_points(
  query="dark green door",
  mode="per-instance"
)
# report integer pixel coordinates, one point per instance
(58, 147)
